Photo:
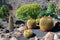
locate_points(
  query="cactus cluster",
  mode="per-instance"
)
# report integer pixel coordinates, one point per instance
(37, 21)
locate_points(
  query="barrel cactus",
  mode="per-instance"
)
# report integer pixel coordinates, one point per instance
(27, 33)
(46, 23)
(31, 23)
(37, 21)
(11, 23)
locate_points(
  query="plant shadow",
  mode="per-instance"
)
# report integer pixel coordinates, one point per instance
(37, 27)
(56, 28)
(33, 35)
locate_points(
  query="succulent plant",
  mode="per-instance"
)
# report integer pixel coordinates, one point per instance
(46, 23)
(27, 33)
(5, 10)
(31, 23)
(37, 21)
(57, 9)
(26, 12)
(51, 10)
(11, 23)
(1, 14)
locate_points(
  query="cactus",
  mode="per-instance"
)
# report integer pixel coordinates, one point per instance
(57, 9)
(46, 23)
(27, 33)
(31, 23)
(11, 23)
(37, 21)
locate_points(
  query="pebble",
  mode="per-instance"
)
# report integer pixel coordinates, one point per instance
(49, 36)
(13, 38)
(58, 35)
(55, 37)
(17, 34)
(6, 31)
(7, 35)
(32, 39)
(2, 38)
(21, 29)
(36, 38)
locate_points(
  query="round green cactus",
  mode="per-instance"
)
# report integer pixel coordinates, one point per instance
(31, 23)
(28, 11)
(27, 33)
(22, 12)
(35, 10)
(5, 9)
(1, 14)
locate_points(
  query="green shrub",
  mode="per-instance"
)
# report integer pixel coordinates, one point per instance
(5, 9)
(28, 11)
(1, 14)
(51, 10)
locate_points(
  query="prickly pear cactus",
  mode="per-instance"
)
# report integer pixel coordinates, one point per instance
(27, 33)
(11, 23)
(31, 23)
(46, 23)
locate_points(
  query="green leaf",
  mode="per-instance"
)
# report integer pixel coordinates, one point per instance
(54, 15)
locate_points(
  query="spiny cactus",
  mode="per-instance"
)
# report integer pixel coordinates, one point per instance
(37, 21)
(46, 23)
(11, 23)
(31, 23)
(27, 33)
